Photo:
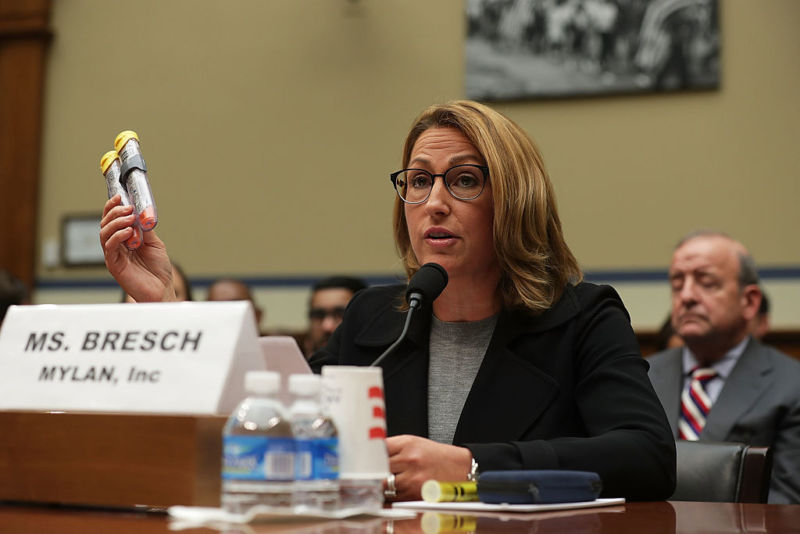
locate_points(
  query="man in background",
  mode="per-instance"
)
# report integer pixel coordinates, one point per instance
(666, 338)
(329, 298)
(231, 289)
(724, 385)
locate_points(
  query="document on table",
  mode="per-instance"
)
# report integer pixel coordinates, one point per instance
(484, 507)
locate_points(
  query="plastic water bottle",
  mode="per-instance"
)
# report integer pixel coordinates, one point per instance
(258, 448)
(317, 446)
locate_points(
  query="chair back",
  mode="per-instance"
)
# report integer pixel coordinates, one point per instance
(722, 472)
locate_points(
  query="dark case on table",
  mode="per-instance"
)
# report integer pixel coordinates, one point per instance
(538, 486)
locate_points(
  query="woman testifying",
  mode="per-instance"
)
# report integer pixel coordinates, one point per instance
(517, 364)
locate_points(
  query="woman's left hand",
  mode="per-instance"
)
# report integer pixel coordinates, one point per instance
(413, 460)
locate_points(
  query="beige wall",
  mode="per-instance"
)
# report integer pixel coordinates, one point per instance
(270, 127)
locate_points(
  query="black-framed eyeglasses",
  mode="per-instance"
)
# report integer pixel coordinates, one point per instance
(319, 314)
(464, 182)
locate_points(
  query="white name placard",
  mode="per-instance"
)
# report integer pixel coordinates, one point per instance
(177, 357)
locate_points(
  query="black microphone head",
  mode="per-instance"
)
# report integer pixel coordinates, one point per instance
(427, 283)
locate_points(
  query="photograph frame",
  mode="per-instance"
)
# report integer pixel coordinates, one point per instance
(80, 241)
(550, 49)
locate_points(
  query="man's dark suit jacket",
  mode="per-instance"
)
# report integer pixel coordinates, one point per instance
(759, 405)
(566, 389)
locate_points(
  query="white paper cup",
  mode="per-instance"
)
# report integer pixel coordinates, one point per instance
(353, 397)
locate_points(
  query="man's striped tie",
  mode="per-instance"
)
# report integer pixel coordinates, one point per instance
(695, 404)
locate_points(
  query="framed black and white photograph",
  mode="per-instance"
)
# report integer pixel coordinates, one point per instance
(519, 49)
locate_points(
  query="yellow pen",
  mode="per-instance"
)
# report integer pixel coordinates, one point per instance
(437, 491)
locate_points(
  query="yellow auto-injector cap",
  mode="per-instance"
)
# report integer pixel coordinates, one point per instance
(107, 159)
(123, 138)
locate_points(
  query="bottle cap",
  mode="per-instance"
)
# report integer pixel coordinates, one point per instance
(265, 382)
(123, 138)
(107, 159)
(305, 384)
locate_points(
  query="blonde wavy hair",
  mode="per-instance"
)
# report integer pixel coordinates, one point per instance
(535, 260)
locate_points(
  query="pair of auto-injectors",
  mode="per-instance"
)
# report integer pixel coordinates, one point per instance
(126, 176)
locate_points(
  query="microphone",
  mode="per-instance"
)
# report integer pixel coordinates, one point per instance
(423, 288)
(426, 285)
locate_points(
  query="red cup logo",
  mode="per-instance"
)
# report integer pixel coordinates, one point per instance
(377, 429)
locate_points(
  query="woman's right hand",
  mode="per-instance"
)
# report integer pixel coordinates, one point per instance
(145, 273)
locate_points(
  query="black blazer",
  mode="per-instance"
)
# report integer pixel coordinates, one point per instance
(567, 389)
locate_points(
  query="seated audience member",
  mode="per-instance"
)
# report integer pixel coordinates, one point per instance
(183, 287)
(12, 292)
(230, 289)
(518, 364)
(329, 298)
(724, 385)
(759, 326)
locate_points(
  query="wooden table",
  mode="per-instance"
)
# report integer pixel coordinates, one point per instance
(633, 518)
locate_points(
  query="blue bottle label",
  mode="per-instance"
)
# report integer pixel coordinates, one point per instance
(257, 458)
(326, 458)
(317, 459)
(304, 459)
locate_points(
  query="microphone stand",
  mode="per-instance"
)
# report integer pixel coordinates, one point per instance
(414, 303)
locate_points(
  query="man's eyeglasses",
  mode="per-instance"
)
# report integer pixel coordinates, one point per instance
(464, 182)
(319, 314)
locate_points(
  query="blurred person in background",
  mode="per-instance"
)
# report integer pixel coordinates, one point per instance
(329, 298)
(232, 289)
(12, 292)
(760, 323)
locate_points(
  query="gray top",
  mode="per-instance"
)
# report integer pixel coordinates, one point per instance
(456, 353)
